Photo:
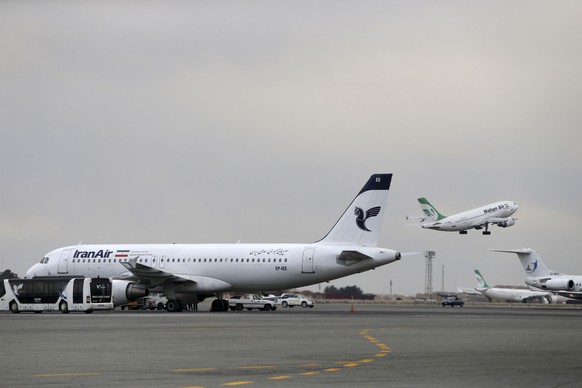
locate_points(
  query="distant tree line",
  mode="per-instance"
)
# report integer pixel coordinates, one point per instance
(348, 292)
(8, 274)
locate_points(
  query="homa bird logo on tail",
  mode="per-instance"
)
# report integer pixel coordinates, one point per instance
(361, 217)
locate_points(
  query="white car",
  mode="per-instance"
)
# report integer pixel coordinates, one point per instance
(251, 301)
(290, 300)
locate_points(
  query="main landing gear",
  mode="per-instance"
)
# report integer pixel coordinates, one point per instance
(219, 305)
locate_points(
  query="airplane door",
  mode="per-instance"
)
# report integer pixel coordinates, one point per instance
(307, 262)
(64, 262)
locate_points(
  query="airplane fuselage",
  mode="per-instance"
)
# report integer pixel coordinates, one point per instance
(474, 218)
(511, 294)
(216, 267)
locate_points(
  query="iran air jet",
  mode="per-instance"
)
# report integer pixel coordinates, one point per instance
(498, 213)
(540, 277)
(508, 294)
(188, 273)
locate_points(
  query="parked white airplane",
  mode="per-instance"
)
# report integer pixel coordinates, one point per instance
(498, 213)
(188, 273)
(508, 294)
(539, 276)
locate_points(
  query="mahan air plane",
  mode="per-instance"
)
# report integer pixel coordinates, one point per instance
(498, 213)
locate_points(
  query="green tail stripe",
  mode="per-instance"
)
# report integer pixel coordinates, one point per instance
(482, 278)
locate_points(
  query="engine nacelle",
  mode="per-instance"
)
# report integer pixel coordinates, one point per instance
(507, 223)
(560, 284)
(124, 291)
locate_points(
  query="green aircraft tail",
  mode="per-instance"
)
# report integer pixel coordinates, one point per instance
(481, 283)
(429, 210)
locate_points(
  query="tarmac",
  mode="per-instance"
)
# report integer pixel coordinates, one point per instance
(364, 345)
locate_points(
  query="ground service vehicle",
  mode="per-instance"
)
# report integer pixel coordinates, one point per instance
(290, 300)
(452, 301)
(52, 294)
(251, 301)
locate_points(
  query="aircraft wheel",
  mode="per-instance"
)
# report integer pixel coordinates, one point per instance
(225, 305)
(173, 306)
(64, 307)
(14, 307)
(217, 305)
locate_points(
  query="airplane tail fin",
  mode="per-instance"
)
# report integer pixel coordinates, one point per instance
(360, 223)
(431, 212)
(481, 283)
(530, 260)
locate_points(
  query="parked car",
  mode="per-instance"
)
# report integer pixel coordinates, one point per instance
(453, 301)
(290, 300)
(251, 301)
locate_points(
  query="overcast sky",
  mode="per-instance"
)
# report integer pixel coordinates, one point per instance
(152, 122)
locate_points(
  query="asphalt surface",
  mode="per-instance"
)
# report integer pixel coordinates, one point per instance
(373, 346)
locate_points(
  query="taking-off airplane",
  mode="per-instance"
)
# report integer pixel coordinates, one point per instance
(189, 273)
(508, 294)
(498, 213)
(539, 276)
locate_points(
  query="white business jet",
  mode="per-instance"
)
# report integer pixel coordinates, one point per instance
(188, 273)
(498, 213)
(508, 294)
(539, 276)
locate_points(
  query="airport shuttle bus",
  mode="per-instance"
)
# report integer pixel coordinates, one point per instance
(64, 294)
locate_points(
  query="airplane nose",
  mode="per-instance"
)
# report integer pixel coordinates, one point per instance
(31, 272)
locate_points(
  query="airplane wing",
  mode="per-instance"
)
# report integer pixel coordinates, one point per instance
(533, 297)
(155, 277)
(149, 275)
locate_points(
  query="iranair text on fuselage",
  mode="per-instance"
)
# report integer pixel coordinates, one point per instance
(100, 254)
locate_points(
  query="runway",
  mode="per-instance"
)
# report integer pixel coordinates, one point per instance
(375, 345)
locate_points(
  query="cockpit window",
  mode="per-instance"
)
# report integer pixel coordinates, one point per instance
(44, 260)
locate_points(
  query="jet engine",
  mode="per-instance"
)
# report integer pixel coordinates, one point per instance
(124, 291)
(507, 223)
(560, 284)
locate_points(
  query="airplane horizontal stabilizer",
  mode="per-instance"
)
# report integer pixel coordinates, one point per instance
(520, 250)
(352, 256)
(470, 291)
